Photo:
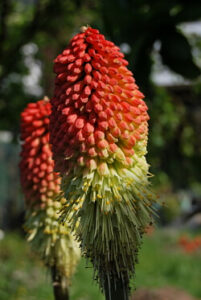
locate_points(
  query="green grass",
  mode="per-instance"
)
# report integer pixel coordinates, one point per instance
(161, 263)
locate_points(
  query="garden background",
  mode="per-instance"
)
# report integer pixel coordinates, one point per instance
(162, 42)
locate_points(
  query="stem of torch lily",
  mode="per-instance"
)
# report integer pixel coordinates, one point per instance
(60, 286)
(117, 290)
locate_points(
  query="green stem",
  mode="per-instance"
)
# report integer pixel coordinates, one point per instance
(60, 286)
(117, 290)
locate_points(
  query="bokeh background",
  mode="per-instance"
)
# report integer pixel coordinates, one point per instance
(162, 42)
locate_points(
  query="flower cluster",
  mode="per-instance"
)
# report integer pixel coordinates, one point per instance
(38, 180)
(190, 245)
(98, 130)
(98, 112)
(41, 187)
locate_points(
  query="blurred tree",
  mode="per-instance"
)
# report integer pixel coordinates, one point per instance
(174, 147)
(141, 23)
(47, 23)
(175, 140)
(50, 23)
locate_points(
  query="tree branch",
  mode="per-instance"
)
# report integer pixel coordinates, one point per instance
(38, 22)
(3, 14)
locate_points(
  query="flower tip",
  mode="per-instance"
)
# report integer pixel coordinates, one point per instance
(84, 28)
(91, 164)
(119, 155)
(46, 99)
(103, 169)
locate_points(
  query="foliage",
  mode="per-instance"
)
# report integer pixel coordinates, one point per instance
(163, 263)
(142, 22)
(37, 22)
(175, 142)
(23, 276)
(138, 23)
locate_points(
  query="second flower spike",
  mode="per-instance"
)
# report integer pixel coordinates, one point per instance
(53, 241)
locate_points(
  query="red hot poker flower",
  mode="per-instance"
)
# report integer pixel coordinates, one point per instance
(99, 136)
(38, 180)
(98, 111)
(41, 186)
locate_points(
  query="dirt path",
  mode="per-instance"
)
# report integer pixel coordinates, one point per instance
(167, 293)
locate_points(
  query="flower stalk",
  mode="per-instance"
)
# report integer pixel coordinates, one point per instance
(116, 290)
(60, 287)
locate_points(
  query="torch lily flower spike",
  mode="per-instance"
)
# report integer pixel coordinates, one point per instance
(41, 186)
(98, 129)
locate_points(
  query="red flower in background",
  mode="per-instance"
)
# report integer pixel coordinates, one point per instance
(41, 186)
(190, 245)
(38, 180)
